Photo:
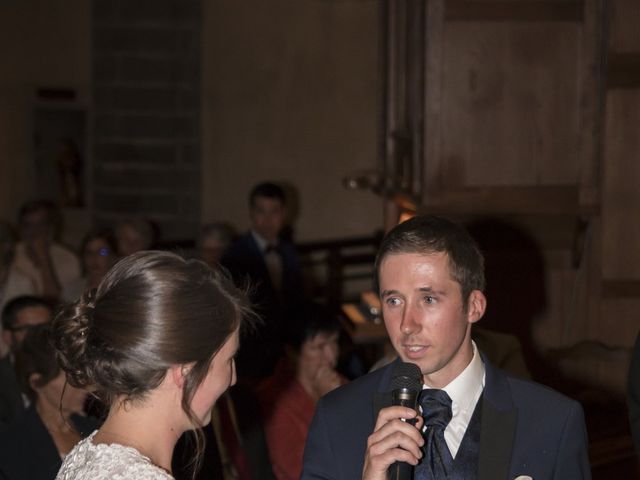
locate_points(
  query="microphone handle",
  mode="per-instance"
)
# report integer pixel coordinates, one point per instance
(405, 398)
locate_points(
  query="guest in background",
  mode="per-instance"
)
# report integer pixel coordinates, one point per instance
(306, 373)
(213, 240)
(50, 266)
(34, 444)
(13, 283)
(235, 447)
(134, 235)
(633, 395)
(99, 253)
(272, 265)
(156, 340)
(18, 317)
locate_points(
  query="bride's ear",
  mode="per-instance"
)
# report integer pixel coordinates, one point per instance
(178, 374)
(35, 380)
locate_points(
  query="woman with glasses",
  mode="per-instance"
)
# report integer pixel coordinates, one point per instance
(98, 253)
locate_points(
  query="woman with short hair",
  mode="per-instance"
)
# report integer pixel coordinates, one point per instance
(33, 444)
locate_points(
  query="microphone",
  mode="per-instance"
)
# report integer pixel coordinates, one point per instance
(406, 383)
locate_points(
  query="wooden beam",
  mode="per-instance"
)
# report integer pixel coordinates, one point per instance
(536, 200)
(515, 11)
(621, 289)
(623, 70)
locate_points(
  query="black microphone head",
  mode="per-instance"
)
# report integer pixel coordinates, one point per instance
(406, 375)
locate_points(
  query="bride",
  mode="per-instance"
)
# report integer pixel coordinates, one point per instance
(155, 341)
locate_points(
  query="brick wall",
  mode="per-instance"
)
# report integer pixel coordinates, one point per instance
(146, 125)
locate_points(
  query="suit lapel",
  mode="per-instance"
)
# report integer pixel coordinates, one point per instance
(497, 432)
(380, 401)
(382, 397)
(258, 260)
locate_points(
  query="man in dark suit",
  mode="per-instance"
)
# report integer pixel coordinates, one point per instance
(18, 316)
(272, 266)
(478, 422)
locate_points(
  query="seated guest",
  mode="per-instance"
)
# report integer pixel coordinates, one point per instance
(305, 374)
(213, 240)
(13, 283)
(156, 341)
(18, 316)
(235, 447)
(50, 266)
(34, 444)
(272, 265)
(134, 235)
(99, 253)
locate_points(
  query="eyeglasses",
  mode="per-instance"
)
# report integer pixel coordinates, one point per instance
(23, 328)
(102, 252)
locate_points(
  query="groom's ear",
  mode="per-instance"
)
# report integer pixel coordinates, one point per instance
(476, 306)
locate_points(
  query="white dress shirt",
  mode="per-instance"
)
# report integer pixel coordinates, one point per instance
(465, 391)
(65, 264)
(272, 260)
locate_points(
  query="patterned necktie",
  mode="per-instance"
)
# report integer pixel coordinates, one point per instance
(437, 462)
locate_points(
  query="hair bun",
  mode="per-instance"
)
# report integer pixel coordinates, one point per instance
(84, 312)
(72, 336)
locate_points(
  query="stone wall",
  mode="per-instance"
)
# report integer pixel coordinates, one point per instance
(146, 115)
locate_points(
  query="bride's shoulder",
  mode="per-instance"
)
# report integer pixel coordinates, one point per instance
(88, 461)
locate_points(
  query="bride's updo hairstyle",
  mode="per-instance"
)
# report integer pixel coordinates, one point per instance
(153, 310)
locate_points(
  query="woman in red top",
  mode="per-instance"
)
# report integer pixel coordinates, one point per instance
(289, 396)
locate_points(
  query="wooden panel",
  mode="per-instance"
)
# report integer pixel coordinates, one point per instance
(549, 200)
(402, 151)
(621, 198)
(624, 34)
(620, 289)
(591, 100)
(623, 70)
(520, 11)
(433, 97)
(572, 300)
(561, 325)
(620, 323)
(509, 104)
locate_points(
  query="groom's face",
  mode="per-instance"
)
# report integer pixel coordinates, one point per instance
(425, 314)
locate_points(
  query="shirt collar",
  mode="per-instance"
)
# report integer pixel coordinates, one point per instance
(260, 241)
(464, 387)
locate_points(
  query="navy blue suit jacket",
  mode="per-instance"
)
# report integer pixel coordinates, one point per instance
(11, 403)
(527, 429)
(244, 260)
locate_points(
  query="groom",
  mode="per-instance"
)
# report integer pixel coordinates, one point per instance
(478, 422)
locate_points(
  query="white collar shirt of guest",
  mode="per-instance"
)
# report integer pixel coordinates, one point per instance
(272, 260)
(65, 264)
(260, 241)
(465, 391)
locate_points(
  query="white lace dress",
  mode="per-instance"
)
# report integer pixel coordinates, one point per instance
(88, 461)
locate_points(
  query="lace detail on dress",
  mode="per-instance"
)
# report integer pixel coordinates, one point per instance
(114, 462)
